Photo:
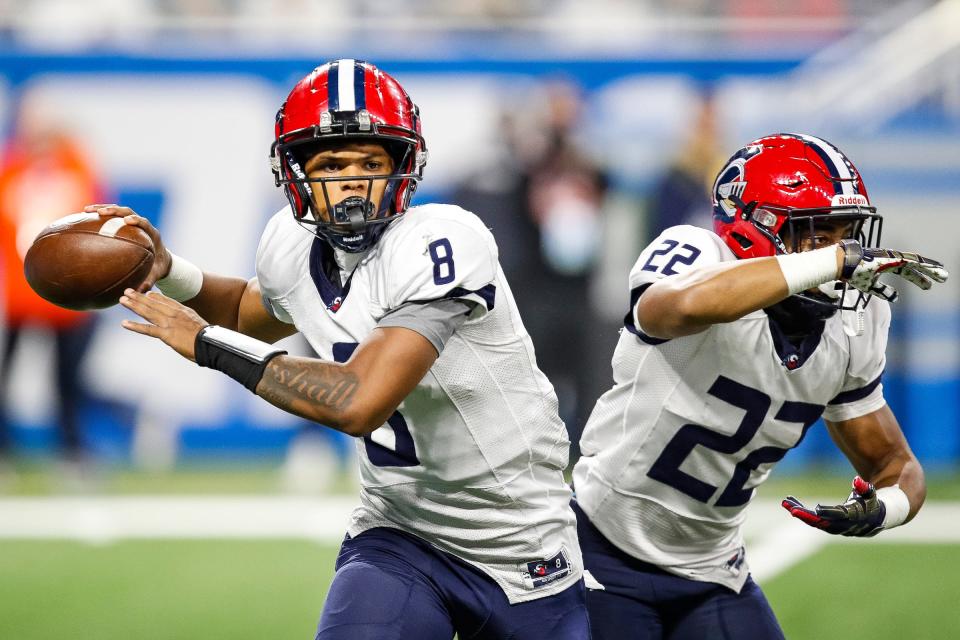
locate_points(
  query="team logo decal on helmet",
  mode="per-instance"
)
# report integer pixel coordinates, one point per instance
(772, 193)
(347, 100)
(729, 185)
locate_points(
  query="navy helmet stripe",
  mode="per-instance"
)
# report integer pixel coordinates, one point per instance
(836, 163)
(359, 95)
(831, 167)
(333, 82)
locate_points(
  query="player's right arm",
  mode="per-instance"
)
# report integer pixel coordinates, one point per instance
(694, 297)
(690, 301)
(230, 302)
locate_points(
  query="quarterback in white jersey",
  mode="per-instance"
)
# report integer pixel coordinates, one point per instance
(464, 524)
(735, 343)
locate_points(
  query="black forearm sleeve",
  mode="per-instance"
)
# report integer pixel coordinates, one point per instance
(241, 357)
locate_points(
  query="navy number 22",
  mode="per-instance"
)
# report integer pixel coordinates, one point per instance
(404, 453)
(442, 255)
(666, 468)
(687, 255)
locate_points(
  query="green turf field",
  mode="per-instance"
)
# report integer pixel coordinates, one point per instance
(274, 589)
(255, 589)
(871, 590)
(162, 589)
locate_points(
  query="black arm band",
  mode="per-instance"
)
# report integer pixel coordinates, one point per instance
(241, 357)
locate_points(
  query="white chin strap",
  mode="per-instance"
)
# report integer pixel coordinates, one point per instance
(832, 289)
(853, 323)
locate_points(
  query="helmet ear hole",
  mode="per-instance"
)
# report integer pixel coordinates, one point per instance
(742, 240)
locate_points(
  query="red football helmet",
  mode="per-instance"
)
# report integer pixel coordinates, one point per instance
(348, 100)
(780, 186)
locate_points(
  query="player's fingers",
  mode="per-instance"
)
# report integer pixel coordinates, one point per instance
(911, 274)
(808, 517)
(136, 220)
(884, 291)
(831, 512)
(163, 302)
(861, 486)
(142, 306)
(790, 502)
(935, 272)
(114, 210)
(92, 208)
(161, 308)
(891, 265)
(138, 327)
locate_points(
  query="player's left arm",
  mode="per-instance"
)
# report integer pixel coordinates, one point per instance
(890, 488)
(356, 396)
(359, 395)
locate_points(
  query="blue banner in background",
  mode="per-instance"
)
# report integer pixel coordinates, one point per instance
(184, 141)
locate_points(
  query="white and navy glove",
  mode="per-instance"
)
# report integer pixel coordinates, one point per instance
(862, 269)
(863, 514)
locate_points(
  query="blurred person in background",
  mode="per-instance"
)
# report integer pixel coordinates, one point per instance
(736, 342)
(44, 175)
(544, 202)
(681, 194)
(464, 524)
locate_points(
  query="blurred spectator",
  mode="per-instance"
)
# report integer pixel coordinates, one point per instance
(544, 202)
(43, 176)
(681, 195)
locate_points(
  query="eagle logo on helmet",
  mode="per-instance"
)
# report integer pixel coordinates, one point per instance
(730, 183)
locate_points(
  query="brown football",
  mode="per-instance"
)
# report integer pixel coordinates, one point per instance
(85, 261)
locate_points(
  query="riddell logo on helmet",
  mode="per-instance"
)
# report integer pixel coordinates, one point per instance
(855, 200)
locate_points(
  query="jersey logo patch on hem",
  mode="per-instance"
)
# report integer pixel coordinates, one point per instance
(735, 562)
(539, 573)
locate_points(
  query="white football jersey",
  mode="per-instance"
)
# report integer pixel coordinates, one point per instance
(473, 459)
(672, 452)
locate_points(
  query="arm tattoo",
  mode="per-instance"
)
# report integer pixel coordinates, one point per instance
(308, 388)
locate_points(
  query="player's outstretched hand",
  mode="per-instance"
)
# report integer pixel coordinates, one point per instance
(167, 320)
(861, 515)
(863, 268)
(161, 260)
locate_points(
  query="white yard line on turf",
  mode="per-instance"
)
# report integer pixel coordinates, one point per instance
(775, 541)
(105, 519)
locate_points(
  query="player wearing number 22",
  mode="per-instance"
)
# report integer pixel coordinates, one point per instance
(464, 524)
(735, 343)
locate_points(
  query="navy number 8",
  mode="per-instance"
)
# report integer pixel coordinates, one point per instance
(404, 453)
(442, 261)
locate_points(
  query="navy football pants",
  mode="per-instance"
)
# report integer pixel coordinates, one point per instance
(390, 585)
(643, 602)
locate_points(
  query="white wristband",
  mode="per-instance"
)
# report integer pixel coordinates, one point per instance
(897, 504)
(808, 269)
(184, 280)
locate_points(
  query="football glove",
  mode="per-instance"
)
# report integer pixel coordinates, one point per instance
(861, 515)
(862, 269)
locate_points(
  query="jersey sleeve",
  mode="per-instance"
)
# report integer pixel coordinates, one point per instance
(675, 251)
(862, 390)
(273, 265)
(443, 259)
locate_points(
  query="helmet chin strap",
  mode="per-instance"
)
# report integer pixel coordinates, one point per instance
(832, 289)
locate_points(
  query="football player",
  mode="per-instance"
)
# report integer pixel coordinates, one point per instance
(736, 341)
(464, 524)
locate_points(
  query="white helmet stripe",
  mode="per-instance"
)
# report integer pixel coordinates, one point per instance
(346, 96)
(829, 153)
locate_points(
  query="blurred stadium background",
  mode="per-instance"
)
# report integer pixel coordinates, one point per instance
(193, 509)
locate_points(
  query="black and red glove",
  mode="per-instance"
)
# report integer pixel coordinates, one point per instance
(861, 515)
